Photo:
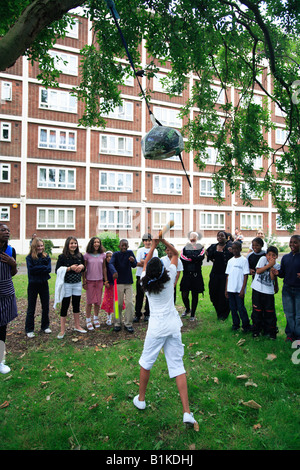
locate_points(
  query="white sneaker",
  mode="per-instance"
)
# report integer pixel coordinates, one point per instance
(141, 405)
(188, 418)
(47, 330)
(30, 334)
(3, 368)
(60, 335)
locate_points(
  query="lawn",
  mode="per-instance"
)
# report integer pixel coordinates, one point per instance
(63, 395)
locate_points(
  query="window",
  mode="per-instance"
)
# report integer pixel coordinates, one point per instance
(157, 84)
(207, 188)
(72, 30)
(57, 139)
(124, 112)
(115, 219)
(6, 91)
(115, 181)
(281, 136)
(278, 111)
(279, 225)
(65, 63)
(212, 220)
(58, 100)
(4, 214)
(116, 145)
(56, 178)
(4, 173)
(251, 221)
(161, 218)
(164, 184)
(220, 94)
(5, 131)
(55, 219)
(167, 116)
(212, 156)
(246, 192)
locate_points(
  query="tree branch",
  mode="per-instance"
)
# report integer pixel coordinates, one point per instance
(38, 15)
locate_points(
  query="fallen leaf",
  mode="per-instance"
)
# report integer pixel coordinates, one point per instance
(243, 376)
(196, 426)
(5, 404)
(256, 426)
(192, 447)
(250, 383)
(215, 379)
(69, 375)
(251, 404)
(241, 341)
(111, 374)
(93, 406)
(271, 357)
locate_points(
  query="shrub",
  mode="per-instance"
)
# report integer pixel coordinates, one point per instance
(110, 241)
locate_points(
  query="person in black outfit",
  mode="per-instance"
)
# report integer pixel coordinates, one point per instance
(219, 253)
(256, 253)
(192, 281)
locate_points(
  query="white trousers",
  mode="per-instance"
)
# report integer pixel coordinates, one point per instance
(173, 350)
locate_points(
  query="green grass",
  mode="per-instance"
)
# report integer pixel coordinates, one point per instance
(60, 396)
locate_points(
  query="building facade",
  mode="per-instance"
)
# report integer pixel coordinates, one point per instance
(60, 179)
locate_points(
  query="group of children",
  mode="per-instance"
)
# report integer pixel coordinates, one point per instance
(263, 267)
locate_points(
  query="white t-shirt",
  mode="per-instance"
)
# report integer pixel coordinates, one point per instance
(141, 254)
(164, 319)
(236, 269)
(167, 262)
(263, 282)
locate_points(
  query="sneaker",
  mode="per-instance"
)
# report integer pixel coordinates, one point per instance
(141, 405)
(192, 318)
(146, 318)
(60, 335)
(3, 368)
(188, 418)
(129, 329)
(30, 334)
(117, 328)
(48, 331)
(108, 321)
(136, 319)
(184, 314)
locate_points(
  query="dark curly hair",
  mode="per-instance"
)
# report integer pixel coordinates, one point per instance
(90, 246)
(155, 277)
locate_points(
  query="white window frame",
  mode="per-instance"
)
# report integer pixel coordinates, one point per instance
(221, 94)
(52, 218)
(279, 226)
(56, 144)
(5, 213)
(165, 184)
(124, 112)
(72, 29)
(6, 91)
(167, 116)
(206, 188)
(116, 145)
(5, 126)
(5, 168)
(280, 136)
(67, 64)
(55, 183)
(116, 181)
(212, 156)
(251, 221)
(57, 100)
(245, 187)
(161, 218)
(117, 219)
(212, 220)
(157, 85)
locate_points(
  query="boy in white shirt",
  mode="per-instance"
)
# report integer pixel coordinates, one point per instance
(237, 275)
(264, 286)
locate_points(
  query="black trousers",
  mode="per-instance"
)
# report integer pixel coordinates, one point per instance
(34, 289)
(263, 313)
(66, 303)
(139, 299)
(3, 329)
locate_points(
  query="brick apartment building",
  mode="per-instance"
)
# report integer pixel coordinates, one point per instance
(60, 179)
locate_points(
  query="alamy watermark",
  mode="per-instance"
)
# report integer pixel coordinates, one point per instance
(296, 354)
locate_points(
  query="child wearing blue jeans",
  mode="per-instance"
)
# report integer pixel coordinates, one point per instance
(237, 275)
(290, 272)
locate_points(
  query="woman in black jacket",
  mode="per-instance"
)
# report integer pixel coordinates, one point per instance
(38, 269)
(192, 280)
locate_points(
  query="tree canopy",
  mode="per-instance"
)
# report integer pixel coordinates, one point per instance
(227, 40)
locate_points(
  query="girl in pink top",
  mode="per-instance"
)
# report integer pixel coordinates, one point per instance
(94, 275)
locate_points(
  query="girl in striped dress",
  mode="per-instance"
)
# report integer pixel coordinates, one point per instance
(8, 303)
